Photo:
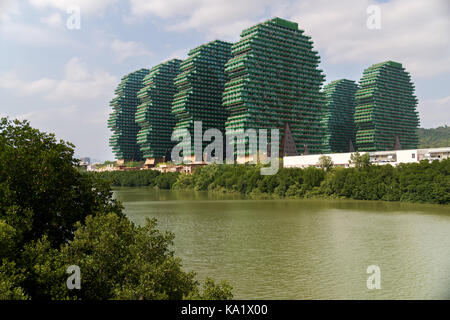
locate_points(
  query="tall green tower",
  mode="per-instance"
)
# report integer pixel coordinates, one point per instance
(122, 120)
(200, 86)
(154, 115)
(274, 80)
(338, 121)
(385, 115)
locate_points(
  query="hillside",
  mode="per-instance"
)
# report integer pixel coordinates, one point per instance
(434, 137)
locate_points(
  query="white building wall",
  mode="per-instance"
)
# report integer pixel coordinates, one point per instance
(339, 159)
(301, 161)
(393, 157)
(407, 156)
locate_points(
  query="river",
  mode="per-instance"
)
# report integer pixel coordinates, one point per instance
(303, 249)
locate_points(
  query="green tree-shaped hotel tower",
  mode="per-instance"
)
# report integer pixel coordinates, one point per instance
(274, 80)
(337, 120)
(200, 86)
(122, 120)
(154, 114)
(386, 109)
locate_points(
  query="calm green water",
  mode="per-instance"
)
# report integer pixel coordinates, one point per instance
(305, 249)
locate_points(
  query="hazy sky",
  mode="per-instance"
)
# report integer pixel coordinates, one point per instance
(62, 79)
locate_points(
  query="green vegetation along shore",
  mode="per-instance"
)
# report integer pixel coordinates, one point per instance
(55, 219)
(416, 182)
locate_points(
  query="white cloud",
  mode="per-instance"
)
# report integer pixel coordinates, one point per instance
(53, 20)
(216, 18)
(75, 107)
(127, 49)
(44, 115)
(11, 80)
(82, 126)
(434, 112)
(86, 6)
(77, 84)
(35, 35)
(412, 32)
(41, 85)
(178, 54)
(163, 8)
(8, 8)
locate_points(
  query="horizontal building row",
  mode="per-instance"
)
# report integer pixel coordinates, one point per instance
(392, 157)
(270, 79)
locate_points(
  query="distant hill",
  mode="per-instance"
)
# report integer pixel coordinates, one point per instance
(435, 137)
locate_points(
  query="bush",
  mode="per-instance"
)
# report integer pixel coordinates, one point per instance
(135, 178)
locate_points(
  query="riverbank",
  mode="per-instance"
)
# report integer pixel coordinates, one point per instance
(423, 182)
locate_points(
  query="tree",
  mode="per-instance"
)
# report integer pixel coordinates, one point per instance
(41, 191)
(166, 180)
(117, 260)
(52, 216)
(325, 162)
(360, 161)
(10, 279)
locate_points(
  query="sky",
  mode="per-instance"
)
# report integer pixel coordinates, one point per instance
(60, 60)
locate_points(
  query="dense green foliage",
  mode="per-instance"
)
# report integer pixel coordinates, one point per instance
(39, 182)
(325, 162)
(53, 216)
(435, 137)
(134, 164)
(415, 182)
(139, 178)
(360, 161)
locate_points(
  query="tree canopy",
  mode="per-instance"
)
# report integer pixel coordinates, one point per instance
(325, 162)
(53, 216)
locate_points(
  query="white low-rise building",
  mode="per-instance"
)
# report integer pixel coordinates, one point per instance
(393, 157)
(339, 159)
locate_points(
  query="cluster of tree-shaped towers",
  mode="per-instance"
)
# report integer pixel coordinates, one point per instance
(268, 80)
